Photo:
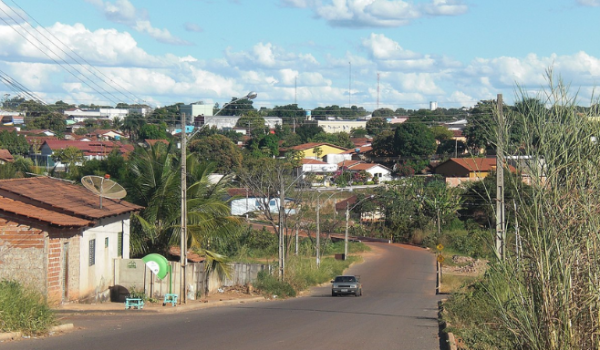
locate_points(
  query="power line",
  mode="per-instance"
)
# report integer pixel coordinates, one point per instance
(136, 98)
(54, 53)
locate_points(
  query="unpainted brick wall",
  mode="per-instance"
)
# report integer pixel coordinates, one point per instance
(22, 254)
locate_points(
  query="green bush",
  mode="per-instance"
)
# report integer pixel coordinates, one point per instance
(270, 285)
(23, 310)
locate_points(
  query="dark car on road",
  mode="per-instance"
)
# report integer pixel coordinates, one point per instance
(347, 284)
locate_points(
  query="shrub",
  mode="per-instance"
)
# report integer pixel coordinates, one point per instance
(23, 310)
(270, 285)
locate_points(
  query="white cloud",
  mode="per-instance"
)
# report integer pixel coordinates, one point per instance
(445, 8)
(377, 13)
(123, 12)
(11, 15)
(382, 48)
(193, 27)
(592, 3)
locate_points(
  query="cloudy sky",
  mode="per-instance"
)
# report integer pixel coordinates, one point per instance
(368, 53)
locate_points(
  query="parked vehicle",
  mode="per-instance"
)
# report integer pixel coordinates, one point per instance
(346, 284)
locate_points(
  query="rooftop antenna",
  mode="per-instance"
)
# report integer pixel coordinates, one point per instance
(103, 187)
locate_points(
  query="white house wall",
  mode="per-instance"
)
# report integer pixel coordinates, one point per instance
(96, 279)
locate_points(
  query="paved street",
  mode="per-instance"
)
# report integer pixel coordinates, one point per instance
(398, 310)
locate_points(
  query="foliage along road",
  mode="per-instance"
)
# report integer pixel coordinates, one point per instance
(398, 310)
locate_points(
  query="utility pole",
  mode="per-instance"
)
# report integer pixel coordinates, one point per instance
(318, 231)
(346, 233)
(500, 234)
(183, 233)
(281, 223)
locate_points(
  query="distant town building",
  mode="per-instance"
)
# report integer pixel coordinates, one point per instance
(333, 126)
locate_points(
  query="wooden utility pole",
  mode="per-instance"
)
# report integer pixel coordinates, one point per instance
(500, 234)
(183, 231)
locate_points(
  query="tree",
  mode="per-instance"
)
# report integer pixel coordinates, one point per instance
(308, 131)
(383, 144)
(132, 124)
(253, 122)
(153, 132)
(69, 156)
(157, 187)
(341, 139)
(383, 112)
(376, 125)
(441, 133)
(238, 107)
(415, 143)
(480, 130)
(219, 150)
(14, 143)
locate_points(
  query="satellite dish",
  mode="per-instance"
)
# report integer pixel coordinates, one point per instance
(103, 187)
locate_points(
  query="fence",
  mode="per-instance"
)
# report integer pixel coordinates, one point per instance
(133, 275)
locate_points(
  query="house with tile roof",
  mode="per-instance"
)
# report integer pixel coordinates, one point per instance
(377, 172)
(90, 150)
(459, 170)
(55, 237)
(5, 156)
(314, 150)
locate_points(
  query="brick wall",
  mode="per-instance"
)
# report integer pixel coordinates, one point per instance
(22, 254)
(34, 255)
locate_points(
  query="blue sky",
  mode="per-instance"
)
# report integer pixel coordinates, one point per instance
(311, 52)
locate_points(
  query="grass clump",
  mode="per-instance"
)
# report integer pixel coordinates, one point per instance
(271, 285)
(23, 310)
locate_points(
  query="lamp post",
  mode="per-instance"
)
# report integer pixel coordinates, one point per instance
(318, 244)
(348, 219)
(183, 230)
(281, 251)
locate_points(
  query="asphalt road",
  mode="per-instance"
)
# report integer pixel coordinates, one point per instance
(398, 310)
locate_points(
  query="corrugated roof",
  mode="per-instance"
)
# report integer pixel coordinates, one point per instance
(65, 197)
(30, 211)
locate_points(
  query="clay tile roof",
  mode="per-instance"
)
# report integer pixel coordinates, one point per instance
(362, 166)
(30, 211)
(191, 256)
(6, 156)
(311, 161)
(348, 163)
(478, 164)
(64, 197)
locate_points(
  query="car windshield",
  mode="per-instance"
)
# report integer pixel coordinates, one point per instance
(345, 279)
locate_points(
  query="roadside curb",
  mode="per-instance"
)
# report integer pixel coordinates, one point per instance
(15, 335)
(447, 337)
(112, 309)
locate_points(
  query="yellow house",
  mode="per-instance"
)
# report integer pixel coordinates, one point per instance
(317, 150)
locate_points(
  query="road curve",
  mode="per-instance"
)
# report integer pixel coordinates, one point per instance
(398, 310)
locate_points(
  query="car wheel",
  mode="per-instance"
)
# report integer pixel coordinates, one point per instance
(333, 294)
(357, 293)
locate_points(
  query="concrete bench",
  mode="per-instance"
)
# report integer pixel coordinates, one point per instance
(134, 303)
(170, 298)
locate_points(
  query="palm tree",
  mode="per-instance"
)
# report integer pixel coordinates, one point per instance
(157, 187)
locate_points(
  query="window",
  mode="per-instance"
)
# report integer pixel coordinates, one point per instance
(106, 242)
(92, 254)
(120, 244)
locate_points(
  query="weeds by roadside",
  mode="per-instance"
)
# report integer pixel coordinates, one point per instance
(23, 310)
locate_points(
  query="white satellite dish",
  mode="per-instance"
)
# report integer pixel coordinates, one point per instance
(103, 187)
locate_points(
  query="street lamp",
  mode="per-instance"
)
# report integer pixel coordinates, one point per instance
(183, 230)
(281, 251)
(347, 219)
(318, 248)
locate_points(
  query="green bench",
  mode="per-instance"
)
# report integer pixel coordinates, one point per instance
(134, 303)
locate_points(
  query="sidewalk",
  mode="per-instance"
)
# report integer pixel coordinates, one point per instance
(213, 300)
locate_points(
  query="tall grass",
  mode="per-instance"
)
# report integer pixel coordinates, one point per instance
(547, 296)
(23, 310)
